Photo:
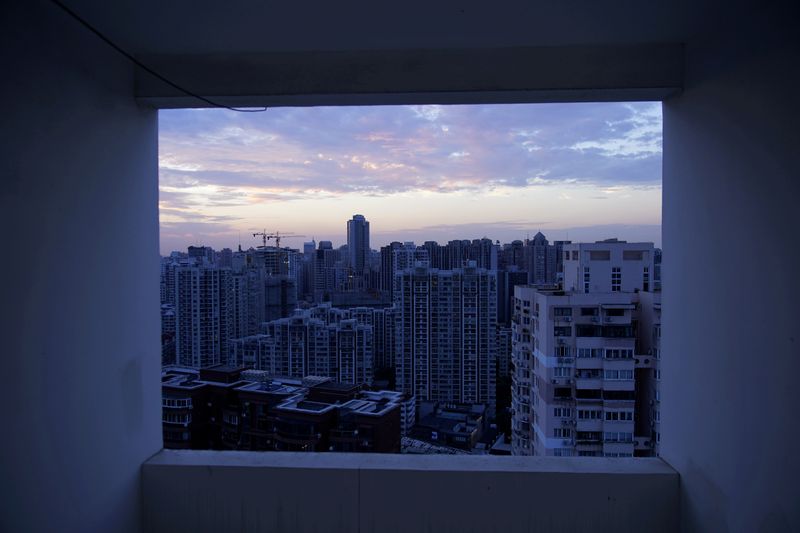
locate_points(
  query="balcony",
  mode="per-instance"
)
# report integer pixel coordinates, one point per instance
(348, 492)
(734, 119)
(588, 383)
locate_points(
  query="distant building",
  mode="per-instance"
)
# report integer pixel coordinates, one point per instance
(325, 265)
(454, 425)
(202, 314)
(321, 341)
(226, 408)
(167, 334)
(445, 334)
(540, 260)
(358, 243)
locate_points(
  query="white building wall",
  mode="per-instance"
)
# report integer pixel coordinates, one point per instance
(81, 369)
(731, 332)
(589, 267)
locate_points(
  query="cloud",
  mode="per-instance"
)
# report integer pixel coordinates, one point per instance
(216, 161)
(391, 149)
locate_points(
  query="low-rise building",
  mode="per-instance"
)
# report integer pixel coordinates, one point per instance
(227, 408)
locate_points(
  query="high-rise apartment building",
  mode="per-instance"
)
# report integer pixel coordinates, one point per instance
(609, 266)
(648, 375)
(325, 264)
(202, 314)
(445, 334)
(247, 301)
(581, 370)
(358, 243)
(540, 260)
(387, 267)
(573, 389)
(321, 341)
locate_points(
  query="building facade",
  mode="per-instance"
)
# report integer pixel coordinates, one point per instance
(586, 359)
(445, 334)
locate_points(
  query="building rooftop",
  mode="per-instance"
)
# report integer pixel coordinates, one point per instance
(308, 406)
(369, 407)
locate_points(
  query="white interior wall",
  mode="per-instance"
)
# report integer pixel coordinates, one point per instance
(731, 342)
(79, 383)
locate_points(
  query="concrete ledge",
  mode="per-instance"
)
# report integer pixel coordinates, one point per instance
(252, 491)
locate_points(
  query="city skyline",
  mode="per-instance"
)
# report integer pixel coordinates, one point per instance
(577, 171)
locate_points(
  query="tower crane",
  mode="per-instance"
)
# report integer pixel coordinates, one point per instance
(277, 236)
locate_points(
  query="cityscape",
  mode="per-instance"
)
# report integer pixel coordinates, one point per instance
(399, 267)
(475, 346)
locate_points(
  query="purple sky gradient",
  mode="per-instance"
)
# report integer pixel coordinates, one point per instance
(416, 172)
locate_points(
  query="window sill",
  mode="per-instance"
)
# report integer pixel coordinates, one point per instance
(191, 490)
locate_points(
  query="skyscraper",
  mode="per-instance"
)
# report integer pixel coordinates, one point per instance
(445, 334)
(358, 243)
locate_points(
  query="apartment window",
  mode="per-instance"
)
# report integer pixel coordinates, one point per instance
(621, 416)
(590, 311)
(600, 255)
(562, 372)
(562, 412)
(590, 414)
(176, 418)
(621, 375)
(562, 433)
(562, 331)
(563, 351)
(563, 452)
(562, 311)
(587, 353)
(618, 436)
(586, 330)
(616, 279)
(632, 255)
(618, 353)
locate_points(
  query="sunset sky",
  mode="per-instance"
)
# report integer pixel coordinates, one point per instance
(577, 171)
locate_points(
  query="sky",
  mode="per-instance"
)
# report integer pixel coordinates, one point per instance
(581, 171)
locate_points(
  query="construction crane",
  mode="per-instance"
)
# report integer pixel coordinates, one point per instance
(277, 236)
